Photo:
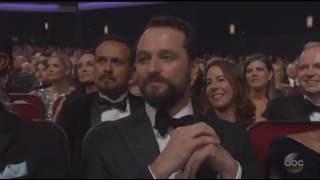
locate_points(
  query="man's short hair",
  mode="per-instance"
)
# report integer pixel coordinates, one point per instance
(190, 43)
(120, 39)
(309, 45)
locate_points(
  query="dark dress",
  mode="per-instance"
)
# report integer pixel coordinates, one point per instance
(291, 159)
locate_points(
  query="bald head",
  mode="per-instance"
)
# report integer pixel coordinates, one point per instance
(311, 52)
(311, 44)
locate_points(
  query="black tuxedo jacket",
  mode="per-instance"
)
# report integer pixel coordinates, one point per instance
(41, 145)
(125, 148)
(78, 114)
(288, 109)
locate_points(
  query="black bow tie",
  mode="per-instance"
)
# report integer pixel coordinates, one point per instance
(106, 105)
(163, 121)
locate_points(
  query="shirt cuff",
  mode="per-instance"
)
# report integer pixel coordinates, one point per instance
(239, 172)
(153, 176)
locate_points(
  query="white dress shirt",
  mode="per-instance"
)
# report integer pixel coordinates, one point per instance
(293, 82)
(163, 140)
(314, 116)
(115, 114)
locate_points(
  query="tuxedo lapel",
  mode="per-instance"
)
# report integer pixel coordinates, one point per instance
(95, 114)
(303, 111)
(140, 139)
(135, 103)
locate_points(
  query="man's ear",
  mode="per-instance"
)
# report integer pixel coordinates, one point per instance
(194, 72)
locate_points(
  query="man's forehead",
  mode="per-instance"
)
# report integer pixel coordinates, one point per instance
(87, 56)
(111, 46)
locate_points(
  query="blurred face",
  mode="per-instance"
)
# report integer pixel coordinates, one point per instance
(86, 68)
(309, 71)
(18, 62)
(27, 68)
(4, 60)
(257, 75)
(112, 67)
(56, 70)
(164, 73)
(219, 90)
(36, 58)
(292, 71)
(38, 55)
(41, 73)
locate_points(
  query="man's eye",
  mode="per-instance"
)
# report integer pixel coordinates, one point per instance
(142, 59)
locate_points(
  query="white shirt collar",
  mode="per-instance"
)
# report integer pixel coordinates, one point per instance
(307, 98)
(120, 98)
(291, 81)
(151, 112)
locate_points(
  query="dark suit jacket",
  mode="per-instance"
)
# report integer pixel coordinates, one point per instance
(289, 109)
(76, 117)
(125, 148)
(41, 145)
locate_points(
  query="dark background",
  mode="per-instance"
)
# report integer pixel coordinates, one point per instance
(275, 28)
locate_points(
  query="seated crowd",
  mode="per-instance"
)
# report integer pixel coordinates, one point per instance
(160, 111)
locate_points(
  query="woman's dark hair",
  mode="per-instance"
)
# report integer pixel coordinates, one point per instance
(264, 59)
(258, 57)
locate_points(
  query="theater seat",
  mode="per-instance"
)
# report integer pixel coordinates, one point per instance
(262, 133)
(27, 110)
(32, 99)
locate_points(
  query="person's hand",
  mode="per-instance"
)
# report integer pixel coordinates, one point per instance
(184, 141)
(216, 157)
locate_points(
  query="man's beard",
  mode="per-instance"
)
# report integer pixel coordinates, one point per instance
(165, 99)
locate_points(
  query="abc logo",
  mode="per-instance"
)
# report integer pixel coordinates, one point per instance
(292, 164)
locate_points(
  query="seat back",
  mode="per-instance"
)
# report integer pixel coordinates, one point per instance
(32, 99)
(262, 134)
(27, 110)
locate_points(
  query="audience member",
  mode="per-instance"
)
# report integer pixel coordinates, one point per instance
(228, 93)
(113, 67)
(141, 146)
(86, 72)
(41, 74)
(28, 149)
(303, 107)
(58, 75)
(258, 72)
